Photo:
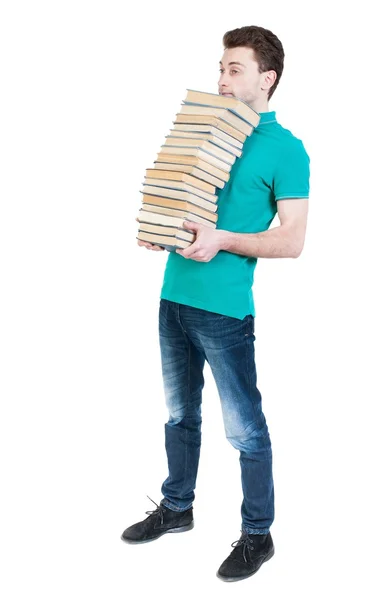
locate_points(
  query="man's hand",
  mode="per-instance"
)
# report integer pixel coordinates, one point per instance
(207, 244)
(148, 245)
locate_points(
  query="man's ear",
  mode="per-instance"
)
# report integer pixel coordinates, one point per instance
(268, 80)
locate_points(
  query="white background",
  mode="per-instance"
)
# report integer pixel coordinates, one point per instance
(89, 91)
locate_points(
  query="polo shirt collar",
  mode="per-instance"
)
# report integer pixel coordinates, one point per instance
(267, 117)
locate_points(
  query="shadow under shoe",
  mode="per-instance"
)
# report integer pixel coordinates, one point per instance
(160, 521)
(249, 553)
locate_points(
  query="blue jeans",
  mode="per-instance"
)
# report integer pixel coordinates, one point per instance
(189, 336)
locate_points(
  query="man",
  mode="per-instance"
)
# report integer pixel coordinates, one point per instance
(207, 309)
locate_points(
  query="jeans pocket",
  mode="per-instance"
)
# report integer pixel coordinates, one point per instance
(249, 325)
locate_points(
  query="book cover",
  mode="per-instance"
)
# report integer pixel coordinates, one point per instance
(181, 186)
(236, 105)
(167, 192)
(209, 145)
(180, 204)
(167, 230)
(204, 176)
(181, 177)
(185, 214)
(220, 113)
(170, 243)
(208, 132)
(195, 160)
(148, 215)
(224, 125)
(200, 152)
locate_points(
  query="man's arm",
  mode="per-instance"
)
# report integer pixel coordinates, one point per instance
(285, 241)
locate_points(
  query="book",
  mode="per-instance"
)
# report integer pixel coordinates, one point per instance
(235, 105)
(196, 158)
(180, 205)
(189, 236)
(211, 143)
(183, 159)
(181, 177)
(169, 242)
(199, 152)
(150, 217)
(180, 185)
(171, 220)
(179, 195)
(187, 214)
(192, 120)
(183, 130)
(189, 169)
(222, 114)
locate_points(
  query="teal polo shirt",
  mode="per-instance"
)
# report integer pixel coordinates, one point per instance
(274, 165)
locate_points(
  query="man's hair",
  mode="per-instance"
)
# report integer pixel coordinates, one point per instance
(267, 48)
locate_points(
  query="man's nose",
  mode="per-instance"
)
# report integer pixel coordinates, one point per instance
(223, 80)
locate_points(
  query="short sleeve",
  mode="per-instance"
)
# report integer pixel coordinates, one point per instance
(292, 175)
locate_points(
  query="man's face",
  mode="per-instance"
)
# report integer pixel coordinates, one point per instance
(239, 76)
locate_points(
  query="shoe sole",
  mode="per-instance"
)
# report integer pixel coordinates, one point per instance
(174, 530)
(270, 555)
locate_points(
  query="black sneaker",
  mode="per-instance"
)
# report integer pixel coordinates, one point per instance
(162, 520)
(249, 553)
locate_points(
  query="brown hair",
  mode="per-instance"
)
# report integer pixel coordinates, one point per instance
(267, 48)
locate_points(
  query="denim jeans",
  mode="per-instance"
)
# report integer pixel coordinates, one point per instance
(188, 336)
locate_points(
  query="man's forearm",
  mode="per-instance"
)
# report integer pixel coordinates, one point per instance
(278, 242)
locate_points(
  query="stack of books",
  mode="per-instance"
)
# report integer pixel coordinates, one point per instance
(196, 158)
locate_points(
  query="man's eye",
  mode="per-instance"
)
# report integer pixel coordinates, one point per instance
(232, 71)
